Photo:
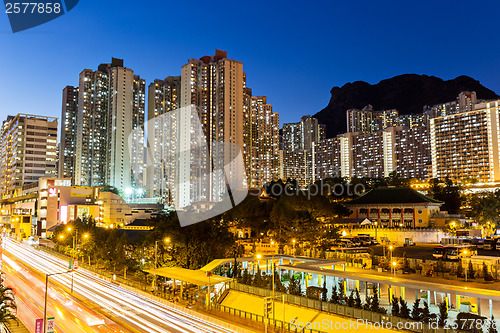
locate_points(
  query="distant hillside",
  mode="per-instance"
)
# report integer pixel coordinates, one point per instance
(408, 93)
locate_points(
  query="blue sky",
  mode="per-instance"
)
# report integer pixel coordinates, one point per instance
(293, 52)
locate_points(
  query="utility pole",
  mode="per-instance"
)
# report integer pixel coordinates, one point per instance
(46, 296)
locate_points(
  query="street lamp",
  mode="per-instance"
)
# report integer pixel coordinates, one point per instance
(46, 295)
(166, 240)
(394, 264)
(465, 268)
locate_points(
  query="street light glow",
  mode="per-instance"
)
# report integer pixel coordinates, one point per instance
(259, 256)
(61, 236)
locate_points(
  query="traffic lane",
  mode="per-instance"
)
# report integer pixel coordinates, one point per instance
(104, 299)
(116, 300)
(69, 313)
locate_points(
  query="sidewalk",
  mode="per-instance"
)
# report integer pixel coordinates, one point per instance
(323, 321)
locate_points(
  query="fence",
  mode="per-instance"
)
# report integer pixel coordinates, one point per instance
(366, 316)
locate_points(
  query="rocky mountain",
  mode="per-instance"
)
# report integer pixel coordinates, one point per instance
(408, 93)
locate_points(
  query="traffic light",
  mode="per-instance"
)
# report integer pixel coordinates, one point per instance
(268, 306)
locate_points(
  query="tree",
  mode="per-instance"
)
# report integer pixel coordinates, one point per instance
(415, 312)
(460, 270)
(404, 311)
(341, 293)
(443, 314)
(374, 302)
(324, 291)
(294, 287)
(471, 274)
(245, 277)
(278, 285)
(350, 299)
(395, 307)
(486, 274)
(335, 296)
(447, 192)
(357, 300)
(426, 314)
(258, 281)
(7, 305)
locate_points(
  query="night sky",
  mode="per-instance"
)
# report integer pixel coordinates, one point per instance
(293, 52)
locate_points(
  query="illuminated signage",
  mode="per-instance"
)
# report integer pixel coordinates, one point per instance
(52, 192)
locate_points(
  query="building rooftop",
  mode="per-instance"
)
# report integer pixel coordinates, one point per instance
(392, 195)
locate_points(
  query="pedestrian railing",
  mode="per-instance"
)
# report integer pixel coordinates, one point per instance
(369, 318)
(278, 324)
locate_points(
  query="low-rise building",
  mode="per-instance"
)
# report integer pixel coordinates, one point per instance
(395, 207)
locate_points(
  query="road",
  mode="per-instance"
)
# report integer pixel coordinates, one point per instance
(135, 312)
(29, 289)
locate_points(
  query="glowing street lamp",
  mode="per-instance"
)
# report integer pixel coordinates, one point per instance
(394, 264)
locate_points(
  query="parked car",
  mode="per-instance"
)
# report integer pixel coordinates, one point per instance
(409, 242)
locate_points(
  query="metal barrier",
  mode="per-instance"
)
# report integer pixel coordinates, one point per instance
(371, 318)
(264, 320)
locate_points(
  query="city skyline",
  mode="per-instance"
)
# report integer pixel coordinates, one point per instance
(302, 48)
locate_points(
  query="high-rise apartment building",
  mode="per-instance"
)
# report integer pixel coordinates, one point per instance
(291, 136)
(404, 150)
(302, 135)
(68, 132)
(29, 150)
(359, 120)
(110, 122)
(466, 145)
(465, 102)
(413, 152)
(298, 165)
(214, 87)
(327, 158)
(261, 142)
(163, 101)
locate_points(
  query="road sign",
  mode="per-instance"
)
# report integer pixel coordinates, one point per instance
(70, 265)
(75, 264)
(39, 326)
(51, 324)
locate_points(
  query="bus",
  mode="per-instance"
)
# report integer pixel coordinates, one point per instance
(438, 252)
(454, 252)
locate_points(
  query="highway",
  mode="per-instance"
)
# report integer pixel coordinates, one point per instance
(127, 312)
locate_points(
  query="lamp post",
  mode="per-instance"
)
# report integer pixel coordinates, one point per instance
(46, 295)
(394, 267)
(465, 268)
(166, 240)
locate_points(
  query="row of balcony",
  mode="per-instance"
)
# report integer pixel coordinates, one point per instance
(387, 211)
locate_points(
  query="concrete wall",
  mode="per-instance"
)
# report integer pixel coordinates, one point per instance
(398, 235)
